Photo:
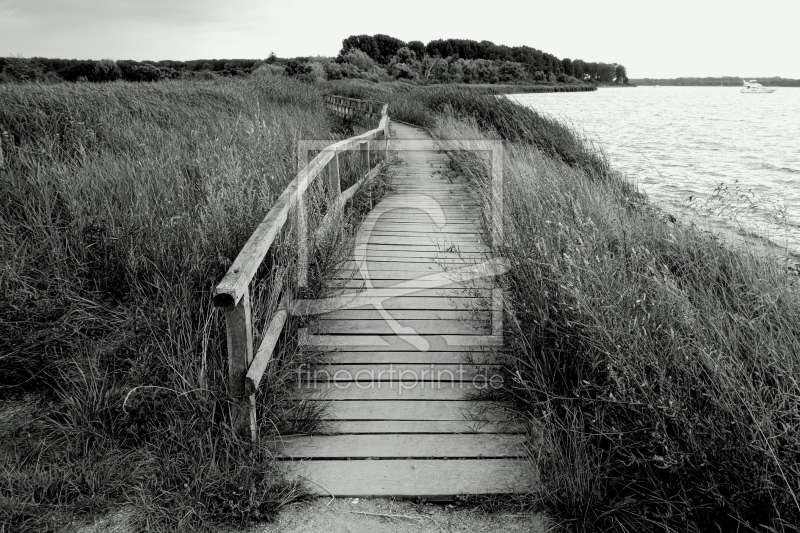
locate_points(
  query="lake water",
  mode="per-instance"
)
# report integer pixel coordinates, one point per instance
(726, 159)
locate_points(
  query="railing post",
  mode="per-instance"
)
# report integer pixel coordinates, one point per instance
(302, 240)
(334, 182)
(239, 326)
(364, 148)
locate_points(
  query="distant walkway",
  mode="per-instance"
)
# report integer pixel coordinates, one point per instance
(400, 379)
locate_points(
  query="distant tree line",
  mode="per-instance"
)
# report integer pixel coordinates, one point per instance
(467, 61)
(374, 57)
(16, 69)
(725, 81)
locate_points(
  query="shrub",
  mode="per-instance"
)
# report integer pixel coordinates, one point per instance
(132, 71)
(79, 69)
(18, 69)
(295, 68)
(333, 71)
(358, 59)
(106, 70)
(269, 70)
(403, 71)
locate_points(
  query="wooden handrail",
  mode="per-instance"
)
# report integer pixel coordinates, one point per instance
(245, 369)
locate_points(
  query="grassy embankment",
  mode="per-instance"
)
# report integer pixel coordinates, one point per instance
(122, 206)
(658, 367)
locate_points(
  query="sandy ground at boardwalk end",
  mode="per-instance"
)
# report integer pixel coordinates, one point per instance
(351, 515)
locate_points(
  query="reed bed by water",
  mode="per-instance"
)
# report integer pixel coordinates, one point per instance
(422, 105)
(657, 367)
(123, 205)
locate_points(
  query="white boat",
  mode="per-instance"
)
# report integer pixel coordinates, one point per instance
(753, 86)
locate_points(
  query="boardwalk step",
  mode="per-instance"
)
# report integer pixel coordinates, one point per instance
(419, 426)
(395, 390)
(391, 343)
(440, 373)
(403, 446)
(369, 357)
(380, 327)
(458, 411)
(415, 478)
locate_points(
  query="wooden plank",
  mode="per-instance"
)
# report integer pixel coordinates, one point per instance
(387, 230)
(409, 215)
(377, 273)
(428, 254)
(408, 314)
(402, 223)
(429, 249)
(401, 229)
(420, 282)
(419, 426)
(377, 268)
(414, 410)
(399, 371)
(437, 241)
(430, 478)
(377, 391)
(448, 259)
(429, 303)
(416, 264)
(264, 352)
(382, 327)
(357, 299)
(402, 446)
(391, 343)
(409, 357)
(441, 292)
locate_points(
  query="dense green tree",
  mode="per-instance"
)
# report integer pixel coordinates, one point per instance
(134, 71)
(418, 47)
(365, 43)
(106, 70)
(511, 71)
(387, 47)
(296, 68)
(567, 64)
(18, 69)
(621, 75)
(579, 69)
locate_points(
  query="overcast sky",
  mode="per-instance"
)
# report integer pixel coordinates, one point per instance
(651, 38)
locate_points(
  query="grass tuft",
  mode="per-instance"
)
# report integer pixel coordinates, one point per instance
(123, 205)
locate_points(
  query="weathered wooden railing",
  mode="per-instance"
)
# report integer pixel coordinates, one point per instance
(348, 107)
(246, 368)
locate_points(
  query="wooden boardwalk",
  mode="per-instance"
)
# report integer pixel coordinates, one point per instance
(402, 418)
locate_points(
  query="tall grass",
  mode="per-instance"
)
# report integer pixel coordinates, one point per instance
(123, 205)
(658, 366)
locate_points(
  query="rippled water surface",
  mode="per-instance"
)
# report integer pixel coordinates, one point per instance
(728, 158)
